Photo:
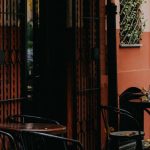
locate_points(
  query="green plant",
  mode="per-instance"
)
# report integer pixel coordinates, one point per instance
(146, 94)
(132, 21)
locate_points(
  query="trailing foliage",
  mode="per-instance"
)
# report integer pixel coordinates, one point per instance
(132, 21)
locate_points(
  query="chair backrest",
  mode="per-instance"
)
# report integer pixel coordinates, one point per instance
(122, 113)
(7, 141)
(124, 103)
(44, 141)
(128, 94)
(30, 119)
(132, 90)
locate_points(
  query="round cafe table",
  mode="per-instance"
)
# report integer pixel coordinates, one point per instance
(38, 127)
(140, 106)
(17, 130)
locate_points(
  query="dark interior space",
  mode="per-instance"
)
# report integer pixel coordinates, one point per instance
(49, 76)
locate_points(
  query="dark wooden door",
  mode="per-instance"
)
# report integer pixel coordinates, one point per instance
(49, 59)
(86, 72)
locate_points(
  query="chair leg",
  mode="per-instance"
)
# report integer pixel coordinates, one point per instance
(114, 144)
(139, 145)
(107, 144)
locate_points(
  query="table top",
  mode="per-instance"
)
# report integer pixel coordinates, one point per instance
(138, 94)
(140, 103)
(126, 133)
(38, 127)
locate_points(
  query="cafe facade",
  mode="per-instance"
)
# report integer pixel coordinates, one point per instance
(123, 60)
(79, 60)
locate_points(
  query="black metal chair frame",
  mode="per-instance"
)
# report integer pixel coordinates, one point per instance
(11, 139)
(50, 136)
(24, 118)
(123, 112)
(29, 118)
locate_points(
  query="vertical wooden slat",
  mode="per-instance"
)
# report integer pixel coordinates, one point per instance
(9, 54)
(2, 115)
(14, 78)
(13, 43)
(18, 50)
(1, 68)
(10, 47)
(86, 72)
(4, 72)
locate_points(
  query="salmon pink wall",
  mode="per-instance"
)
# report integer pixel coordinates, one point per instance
(133, 65)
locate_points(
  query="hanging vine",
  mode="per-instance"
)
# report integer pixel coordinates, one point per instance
(132, 21)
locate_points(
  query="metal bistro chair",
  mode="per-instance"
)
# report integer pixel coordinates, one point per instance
(30, 119)
(44, 141)
(131, 93)
(7, 141)
(116, 138)
(23, 118)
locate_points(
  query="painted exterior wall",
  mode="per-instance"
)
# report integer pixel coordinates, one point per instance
(133, 64)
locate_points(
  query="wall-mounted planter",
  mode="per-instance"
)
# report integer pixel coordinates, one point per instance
(132, 22)
(130, 45)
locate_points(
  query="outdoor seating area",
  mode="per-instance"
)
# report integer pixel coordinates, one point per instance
(75, 75)
(128, 132)
(115, 139)
(42, 134)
